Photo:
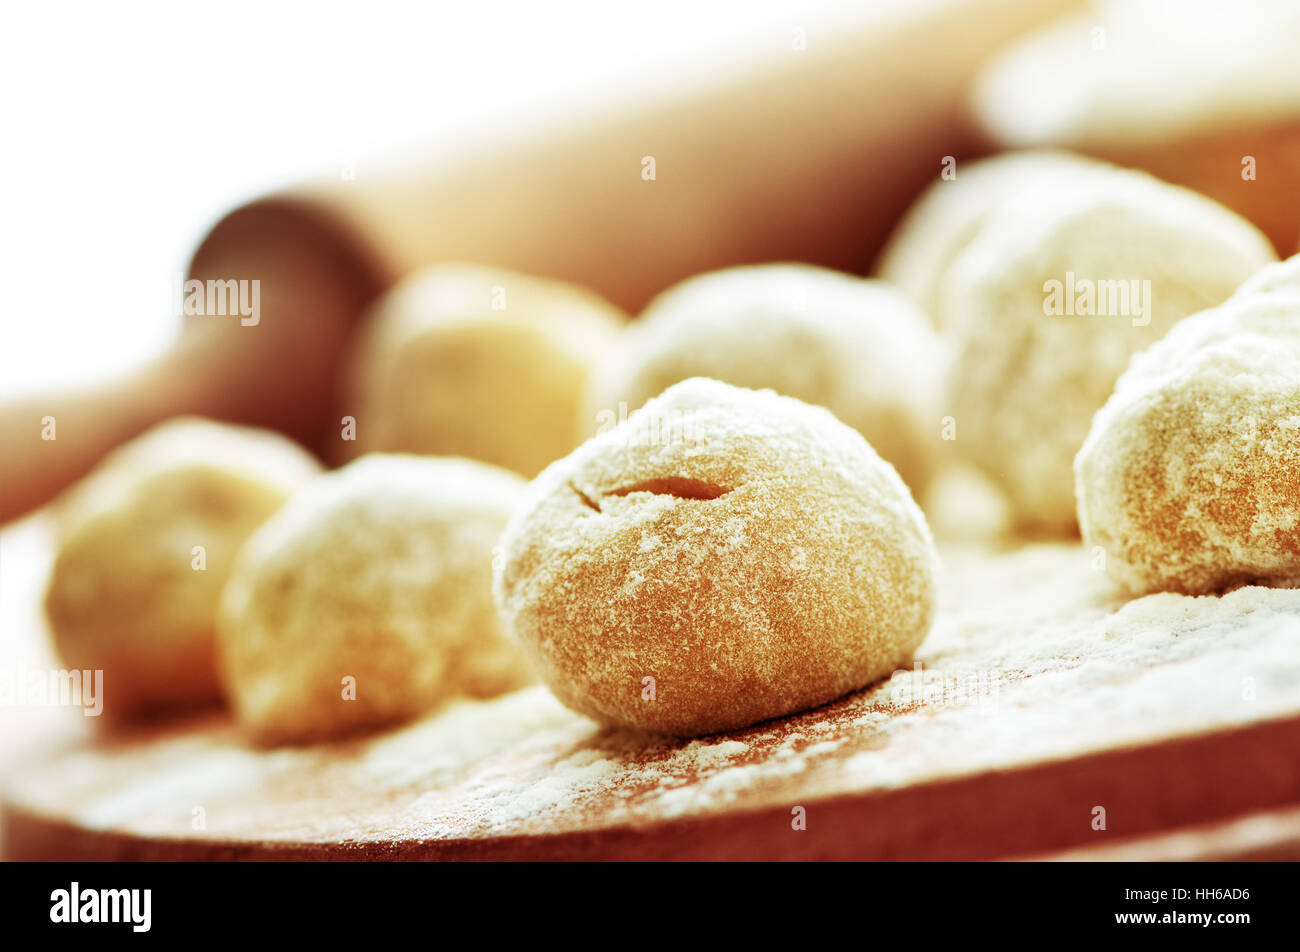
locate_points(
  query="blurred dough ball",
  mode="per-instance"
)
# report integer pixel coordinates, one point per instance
(144, 546)
(948, 215)
(1194, 91)
(748, 554)
(855, 346)
(488, 364)
(1190, 477)
(379, 572)
(1047, 304)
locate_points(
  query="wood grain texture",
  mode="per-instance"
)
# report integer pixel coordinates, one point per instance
(1266, 836)
(1042, 696)
(1010, 812)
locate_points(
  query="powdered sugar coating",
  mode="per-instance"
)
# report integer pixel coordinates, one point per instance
(1190, 477)
(379, 572)
(1028, 375)
(464, 360)
(857, 347)
(748, 553)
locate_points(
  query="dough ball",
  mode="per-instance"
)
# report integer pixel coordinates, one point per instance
(1280, 278)
(1050, 300)
(380, 572)
(856, 347)
(461, 360)
(1198, 92)
(722, 557)
(144, 546)
(1190, 477)
(948, 215)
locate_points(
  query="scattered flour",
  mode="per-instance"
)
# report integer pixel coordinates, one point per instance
(1034, 656)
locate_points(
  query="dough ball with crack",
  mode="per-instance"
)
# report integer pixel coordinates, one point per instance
(144, 545)
(948, 215)
(722, 557)
(488, 364)
(368, 599)
(855, 346)
(1190, 477)
(1047, 304)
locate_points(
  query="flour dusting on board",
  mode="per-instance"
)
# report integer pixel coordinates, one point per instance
(1030, 667)
(1034, 656)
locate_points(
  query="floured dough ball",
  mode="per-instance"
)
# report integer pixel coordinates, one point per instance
(722, 557)
(1202, 93)
(1049, 301)
(857, 347)
(144, 545)
(1190, 477)
(368, 599)
(1280, 278)
(461, 360)
(948, 215)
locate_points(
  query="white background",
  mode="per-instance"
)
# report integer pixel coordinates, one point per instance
(128, 129)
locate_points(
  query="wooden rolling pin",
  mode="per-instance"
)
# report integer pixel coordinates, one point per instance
(811, 156)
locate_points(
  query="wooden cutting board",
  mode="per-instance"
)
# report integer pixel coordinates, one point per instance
(1046, 708)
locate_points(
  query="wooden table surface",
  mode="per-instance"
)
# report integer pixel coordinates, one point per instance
(1046, 706)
